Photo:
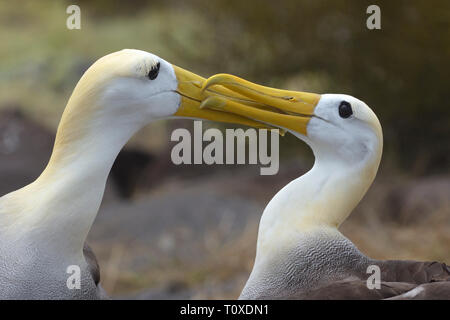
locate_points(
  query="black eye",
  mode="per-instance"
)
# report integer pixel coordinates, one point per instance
(345, 109)
(153, 73)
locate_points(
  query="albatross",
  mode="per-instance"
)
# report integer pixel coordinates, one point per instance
(43, 226)
(300, 252)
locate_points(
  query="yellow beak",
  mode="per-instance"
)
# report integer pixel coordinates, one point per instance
(290, 110)
(191, 90)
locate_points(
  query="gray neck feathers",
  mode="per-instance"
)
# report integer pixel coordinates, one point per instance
(319, 257)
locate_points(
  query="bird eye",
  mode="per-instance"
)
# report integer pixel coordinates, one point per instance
(345, 109)
(153, 73)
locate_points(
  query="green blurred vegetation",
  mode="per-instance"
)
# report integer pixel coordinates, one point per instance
(401, 71)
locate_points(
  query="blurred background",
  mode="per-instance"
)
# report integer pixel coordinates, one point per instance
(189, 231)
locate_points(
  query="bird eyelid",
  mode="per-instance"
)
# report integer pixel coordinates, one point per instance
(154, 71)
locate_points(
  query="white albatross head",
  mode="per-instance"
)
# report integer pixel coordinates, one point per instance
(344, 130)
(126, 90)
(337, 127)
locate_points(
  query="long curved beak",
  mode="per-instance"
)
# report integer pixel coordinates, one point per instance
(285, 109)
(193, 95)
